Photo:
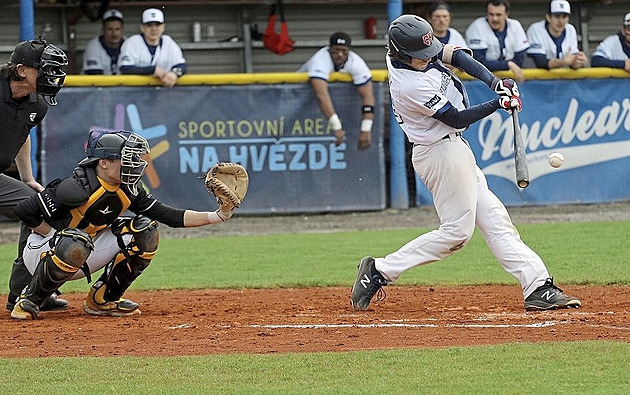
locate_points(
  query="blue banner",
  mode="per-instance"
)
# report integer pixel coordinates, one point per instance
(587, 121)
(276, 131)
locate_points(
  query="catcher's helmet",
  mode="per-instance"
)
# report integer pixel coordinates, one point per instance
(126, 146)
(48, 60)
(412, 37)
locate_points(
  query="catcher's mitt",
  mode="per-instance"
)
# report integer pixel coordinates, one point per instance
(228, 182)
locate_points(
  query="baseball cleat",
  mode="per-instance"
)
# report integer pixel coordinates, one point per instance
(24, 309)
(119, 308)
(53, 303)
(550, 297)
(369, 281)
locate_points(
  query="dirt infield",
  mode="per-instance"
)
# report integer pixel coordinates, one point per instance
(308, 320)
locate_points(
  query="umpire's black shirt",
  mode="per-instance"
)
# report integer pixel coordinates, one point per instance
(17, 117)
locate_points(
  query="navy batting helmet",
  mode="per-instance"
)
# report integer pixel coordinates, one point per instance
(412, 37)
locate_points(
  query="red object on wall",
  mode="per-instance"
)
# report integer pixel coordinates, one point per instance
(370, 28)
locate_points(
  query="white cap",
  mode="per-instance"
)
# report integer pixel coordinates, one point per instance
(626, 20)
(559, 7)
(113, 14)
(152, 15)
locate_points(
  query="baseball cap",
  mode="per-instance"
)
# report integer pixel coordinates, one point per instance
(559, 7)
(152, 15)
(340, 38)
(626, 20)
(438, 5)
(28, 53)
(113, 14)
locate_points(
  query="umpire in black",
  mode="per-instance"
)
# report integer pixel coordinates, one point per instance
(29, 83)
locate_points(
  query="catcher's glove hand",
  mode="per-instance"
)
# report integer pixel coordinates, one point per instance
(228, 182)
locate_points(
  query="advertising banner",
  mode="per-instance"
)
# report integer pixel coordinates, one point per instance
(587, 121)
(276, 131)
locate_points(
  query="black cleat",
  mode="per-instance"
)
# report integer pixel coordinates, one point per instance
(550, 297)
(53, 303)
(369, 281)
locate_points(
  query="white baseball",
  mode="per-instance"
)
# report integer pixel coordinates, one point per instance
(556, 159)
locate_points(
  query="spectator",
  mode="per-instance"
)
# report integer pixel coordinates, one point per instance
(338, 56)
(440, 20)
(101, 53)
(614, 51)
(554, 40)
(497, 41)
(152, 52)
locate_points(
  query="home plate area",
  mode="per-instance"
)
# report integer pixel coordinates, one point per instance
(199, 322)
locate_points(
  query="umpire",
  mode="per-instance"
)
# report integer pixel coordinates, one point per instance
(29, 83)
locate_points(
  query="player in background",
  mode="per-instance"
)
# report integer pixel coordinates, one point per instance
(439, 13)
(79, 227)
(339, 57)
(553, 41)
(431, 105)
(614, 51)
(101, 53)
(497, 41)
(152, 52)
(29, 83)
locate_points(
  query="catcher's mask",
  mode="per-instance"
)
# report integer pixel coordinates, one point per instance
(48, 60)
(126, 146)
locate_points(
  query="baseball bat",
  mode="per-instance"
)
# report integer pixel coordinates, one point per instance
(520, 159)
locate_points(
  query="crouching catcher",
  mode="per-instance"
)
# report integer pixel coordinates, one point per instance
(79, 227)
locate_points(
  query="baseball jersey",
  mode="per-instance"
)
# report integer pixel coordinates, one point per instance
(612, 48)
(99, 59)
(480, 35)
(453, 37)
(542, 43)
(418, 94)
(135, 52)
(320, 65)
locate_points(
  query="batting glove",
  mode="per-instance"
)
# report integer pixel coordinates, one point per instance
(509, 103)
(506, 87)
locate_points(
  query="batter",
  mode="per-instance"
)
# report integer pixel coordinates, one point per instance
(432, 107)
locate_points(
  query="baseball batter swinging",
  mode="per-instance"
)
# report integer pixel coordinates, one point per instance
(79, 227)
(431, 105)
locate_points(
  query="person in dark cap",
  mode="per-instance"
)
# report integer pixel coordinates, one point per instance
(101, 53)
(439, 13)
(29, 83)
(339, 57)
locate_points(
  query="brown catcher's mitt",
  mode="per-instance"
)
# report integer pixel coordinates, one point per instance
(228, 182)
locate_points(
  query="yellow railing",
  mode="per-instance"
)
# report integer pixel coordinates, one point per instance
(287, 78)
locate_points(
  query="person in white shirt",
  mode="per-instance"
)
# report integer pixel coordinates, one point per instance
(497, 41)
(614, 51)
(431, 105)
(440, 19)
(339, 57)
(101, 53)
(553, 41)
(152, 52)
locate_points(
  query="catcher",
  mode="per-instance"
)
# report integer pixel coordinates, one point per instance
(78, 225)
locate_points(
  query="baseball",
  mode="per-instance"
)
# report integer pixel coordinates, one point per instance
(556, 159)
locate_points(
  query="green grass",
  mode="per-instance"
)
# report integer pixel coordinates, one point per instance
(552, 368)
(575, 253)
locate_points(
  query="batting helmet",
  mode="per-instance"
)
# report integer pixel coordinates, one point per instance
(412, 37)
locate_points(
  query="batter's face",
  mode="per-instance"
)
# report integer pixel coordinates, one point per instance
(557, 22)
(113, 33)
(440, 21)
(497, 15)
(339, 54)
(419, 64)
(152, 32)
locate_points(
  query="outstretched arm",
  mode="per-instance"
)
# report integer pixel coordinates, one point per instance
(367, 113)
(320, 87)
